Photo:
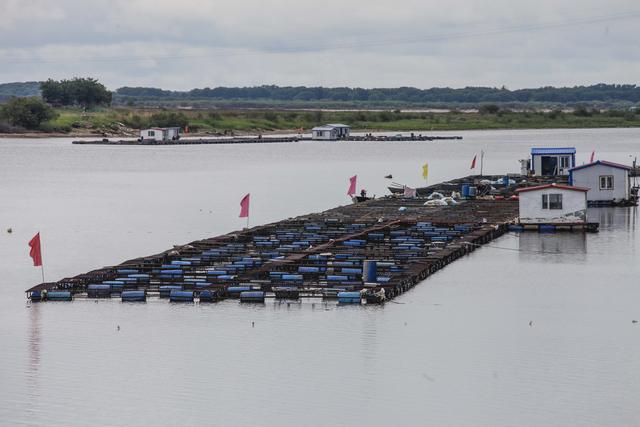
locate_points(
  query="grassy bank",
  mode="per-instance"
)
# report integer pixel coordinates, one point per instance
(126, 121)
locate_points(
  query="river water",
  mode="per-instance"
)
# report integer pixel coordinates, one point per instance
(530, 330)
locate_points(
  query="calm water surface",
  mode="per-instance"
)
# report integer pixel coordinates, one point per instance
(456, 350)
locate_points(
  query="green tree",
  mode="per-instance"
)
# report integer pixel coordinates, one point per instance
(85, 92)
(489, 109)
(28, 113)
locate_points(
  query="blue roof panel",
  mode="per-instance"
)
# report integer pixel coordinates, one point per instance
(553, 150)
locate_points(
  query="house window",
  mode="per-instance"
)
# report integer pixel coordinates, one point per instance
(152, 133)
(552, 201)
(565, 162)
(606, 182)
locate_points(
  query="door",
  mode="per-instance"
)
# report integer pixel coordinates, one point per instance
(549, 165)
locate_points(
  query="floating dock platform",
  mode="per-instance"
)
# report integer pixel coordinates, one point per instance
(379, 248)
(262, 140)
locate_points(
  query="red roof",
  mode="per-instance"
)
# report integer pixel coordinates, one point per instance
(602, 162)
(554, 185)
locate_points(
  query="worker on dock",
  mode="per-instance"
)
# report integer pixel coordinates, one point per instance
(363, 193)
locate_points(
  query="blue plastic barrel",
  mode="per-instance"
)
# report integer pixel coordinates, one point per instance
(370, 271)
(252, 296)
(133, 296)
(181, 296)
(36, 296)
(546, 228)
(349, 297)
(505, 181)
(207, 296)
(473, 191)
(59, 296)
(234, 291)
(165, 290)
(465, 190)
(99, 290)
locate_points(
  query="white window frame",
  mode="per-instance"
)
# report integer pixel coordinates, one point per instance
(547, 203)
(151, 133)
(603, 179)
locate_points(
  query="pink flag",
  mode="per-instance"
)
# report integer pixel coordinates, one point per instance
(410, 192)
(352, 185)
(473, 162)
(593, 156)
(244, 207)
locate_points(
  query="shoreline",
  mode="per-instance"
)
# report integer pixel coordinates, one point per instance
(44, 135)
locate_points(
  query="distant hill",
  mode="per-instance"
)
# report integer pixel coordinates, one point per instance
(20, 89)
(601, 95)
(607, 94)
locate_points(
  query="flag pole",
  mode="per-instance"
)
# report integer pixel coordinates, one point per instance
(481, 162)
(41, 260)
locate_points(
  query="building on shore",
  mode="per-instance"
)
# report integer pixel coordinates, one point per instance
(608, 182)
(551, 161)
(160, 134)
(330, 132)
(553, 204)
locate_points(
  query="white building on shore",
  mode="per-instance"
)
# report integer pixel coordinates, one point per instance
(331, 132)
(160, 134)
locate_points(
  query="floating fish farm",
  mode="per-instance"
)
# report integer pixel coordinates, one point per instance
(262, 140)
(367, 252)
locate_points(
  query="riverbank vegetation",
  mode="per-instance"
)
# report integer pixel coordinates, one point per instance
(126, 121)
(85, 106)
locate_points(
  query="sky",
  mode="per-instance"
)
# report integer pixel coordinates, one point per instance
(185, 44)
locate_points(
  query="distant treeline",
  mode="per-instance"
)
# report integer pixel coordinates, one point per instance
(408, 95)
(606, 95)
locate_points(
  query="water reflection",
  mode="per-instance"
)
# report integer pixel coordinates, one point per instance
(34, 355)
(554, 248)
(613, 218)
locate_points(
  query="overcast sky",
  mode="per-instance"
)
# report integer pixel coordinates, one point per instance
(365, 43)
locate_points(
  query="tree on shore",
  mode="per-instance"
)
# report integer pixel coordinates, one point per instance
(28, 113)
(84, 92)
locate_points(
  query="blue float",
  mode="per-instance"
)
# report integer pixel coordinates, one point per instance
(252, 296)
(181, 296)
(349, 298)
(133, 296)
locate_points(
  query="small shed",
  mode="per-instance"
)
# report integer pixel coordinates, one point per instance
(160, 134)
(331, 132)
(553, 204)
(608, 182)
(552, 161)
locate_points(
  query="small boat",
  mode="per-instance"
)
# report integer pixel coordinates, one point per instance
(360, 199)
(375, 296)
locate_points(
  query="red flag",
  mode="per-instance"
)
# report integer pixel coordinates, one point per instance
(352, 185)
(35, 251)
(593, 156)
(244, 207)
(473, 162)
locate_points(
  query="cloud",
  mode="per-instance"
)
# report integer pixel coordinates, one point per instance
(196, 43)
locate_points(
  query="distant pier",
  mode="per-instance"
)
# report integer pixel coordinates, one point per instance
(261, 140)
